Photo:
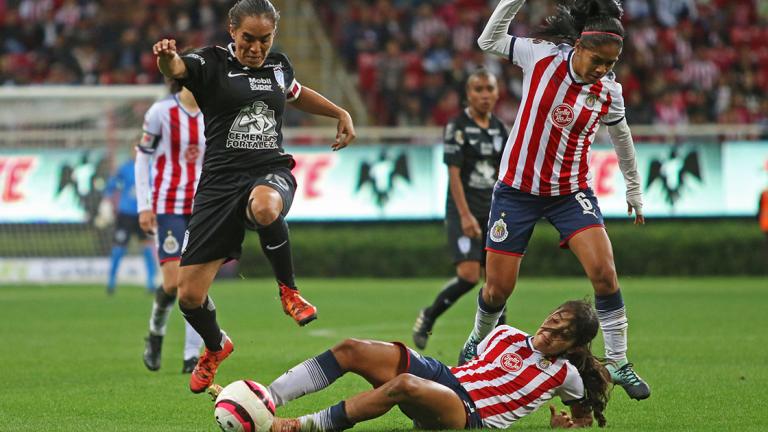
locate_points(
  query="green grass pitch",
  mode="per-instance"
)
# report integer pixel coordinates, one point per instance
(71, 357)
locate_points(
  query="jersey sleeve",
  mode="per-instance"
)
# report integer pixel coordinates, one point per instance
(616, 111)
(152, 130)
(508, 331)
(201, 68)
(453, 153)
(291, 85)
(526, 52)
(572, 389)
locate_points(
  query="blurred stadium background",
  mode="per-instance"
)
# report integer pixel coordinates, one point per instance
(76, 77)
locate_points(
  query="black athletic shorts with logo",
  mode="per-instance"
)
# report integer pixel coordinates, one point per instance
(462, 247)
(126, 226)
(217, 226)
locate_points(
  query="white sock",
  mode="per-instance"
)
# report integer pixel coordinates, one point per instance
(158, 321)
(310, 376)
(614, 326)
(485, 322)
(193, 342)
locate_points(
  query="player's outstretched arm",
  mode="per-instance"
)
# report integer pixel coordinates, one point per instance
(495, 38)
(621, 137)
(314, 103)
(168, 60)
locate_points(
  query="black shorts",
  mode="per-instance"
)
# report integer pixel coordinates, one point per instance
(462, 247)
(126, 226)
(217, 227)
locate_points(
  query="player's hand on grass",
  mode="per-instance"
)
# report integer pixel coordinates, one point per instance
(559, 420)
(471, 227)
(345, 131)
(165, 48)
(148, 221)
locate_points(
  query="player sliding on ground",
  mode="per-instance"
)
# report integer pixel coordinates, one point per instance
(569, 90)
(513, 375)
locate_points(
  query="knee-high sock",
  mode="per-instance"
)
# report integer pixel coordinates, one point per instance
(149, 262)
(203, 320)
(161, 309)
(452, 291)
(276, 244)
(310, 376)
(114, 264)
(330, 419)
(613, 321)
(193, 343)
(486, 318)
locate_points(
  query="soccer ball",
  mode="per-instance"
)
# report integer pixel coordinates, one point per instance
(244, 406)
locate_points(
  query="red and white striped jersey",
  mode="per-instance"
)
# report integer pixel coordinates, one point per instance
(176, 140)
(509, 379)
(547, 152)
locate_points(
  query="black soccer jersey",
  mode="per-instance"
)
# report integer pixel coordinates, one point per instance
(477, 151)
(243, 108)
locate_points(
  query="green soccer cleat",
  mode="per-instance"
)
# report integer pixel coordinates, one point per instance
(469, 351)
(623, 375)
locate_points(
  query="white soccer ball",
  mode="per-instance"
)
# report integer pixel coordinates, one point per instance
(244, 406)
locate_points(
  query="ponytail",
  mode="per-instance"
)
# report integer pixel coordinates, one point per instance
(595, 22)
(595, 378)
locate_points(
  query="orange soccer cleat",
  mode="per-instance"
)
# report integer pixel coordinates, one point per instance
(204, 372)
(296, 307)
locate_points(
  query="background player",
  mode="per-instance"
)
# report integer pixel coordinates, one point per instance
(170, 152)
(472, 151)
(513, 375)
(127, 225)
(246, 180)
(568, 90)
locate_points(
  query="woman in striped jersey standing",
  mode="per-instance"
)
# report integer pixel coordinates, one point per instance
(569, 90)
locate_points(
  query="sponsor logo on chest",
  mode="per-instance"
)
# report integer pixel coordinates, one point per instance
(562, 115)
(511, 362)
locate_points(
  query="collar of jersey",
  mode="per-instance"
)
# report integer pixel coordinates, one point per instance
(469, 116)
(181, 107)
(571, 72)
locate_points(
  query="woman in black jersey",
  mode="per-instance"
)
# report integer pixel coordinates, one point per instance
(246, 180)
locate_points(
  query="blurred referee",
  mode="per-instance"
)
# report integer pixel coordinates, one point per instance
(473, 144)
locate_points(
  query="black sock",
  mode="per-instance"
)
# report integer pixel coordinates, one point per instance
(277, 247)
(203, 320)
(162, 299)
(451, 292)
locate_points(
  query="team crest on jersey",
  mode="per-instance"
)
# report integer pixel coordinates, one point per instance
(499, 231)
(562, 115)
(590, 101)
(170, 244)
(511, 362)
(254, 128)
(498, 142)
(543, 363)
(278, 71)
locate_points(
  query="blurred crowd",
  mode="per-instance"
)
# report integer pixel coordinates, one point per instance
(684, 62)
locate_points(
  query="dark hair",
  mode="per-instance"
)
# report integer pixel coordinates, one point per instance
(596, 378)
(574, 17)
(246, 8)
(480, 72)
